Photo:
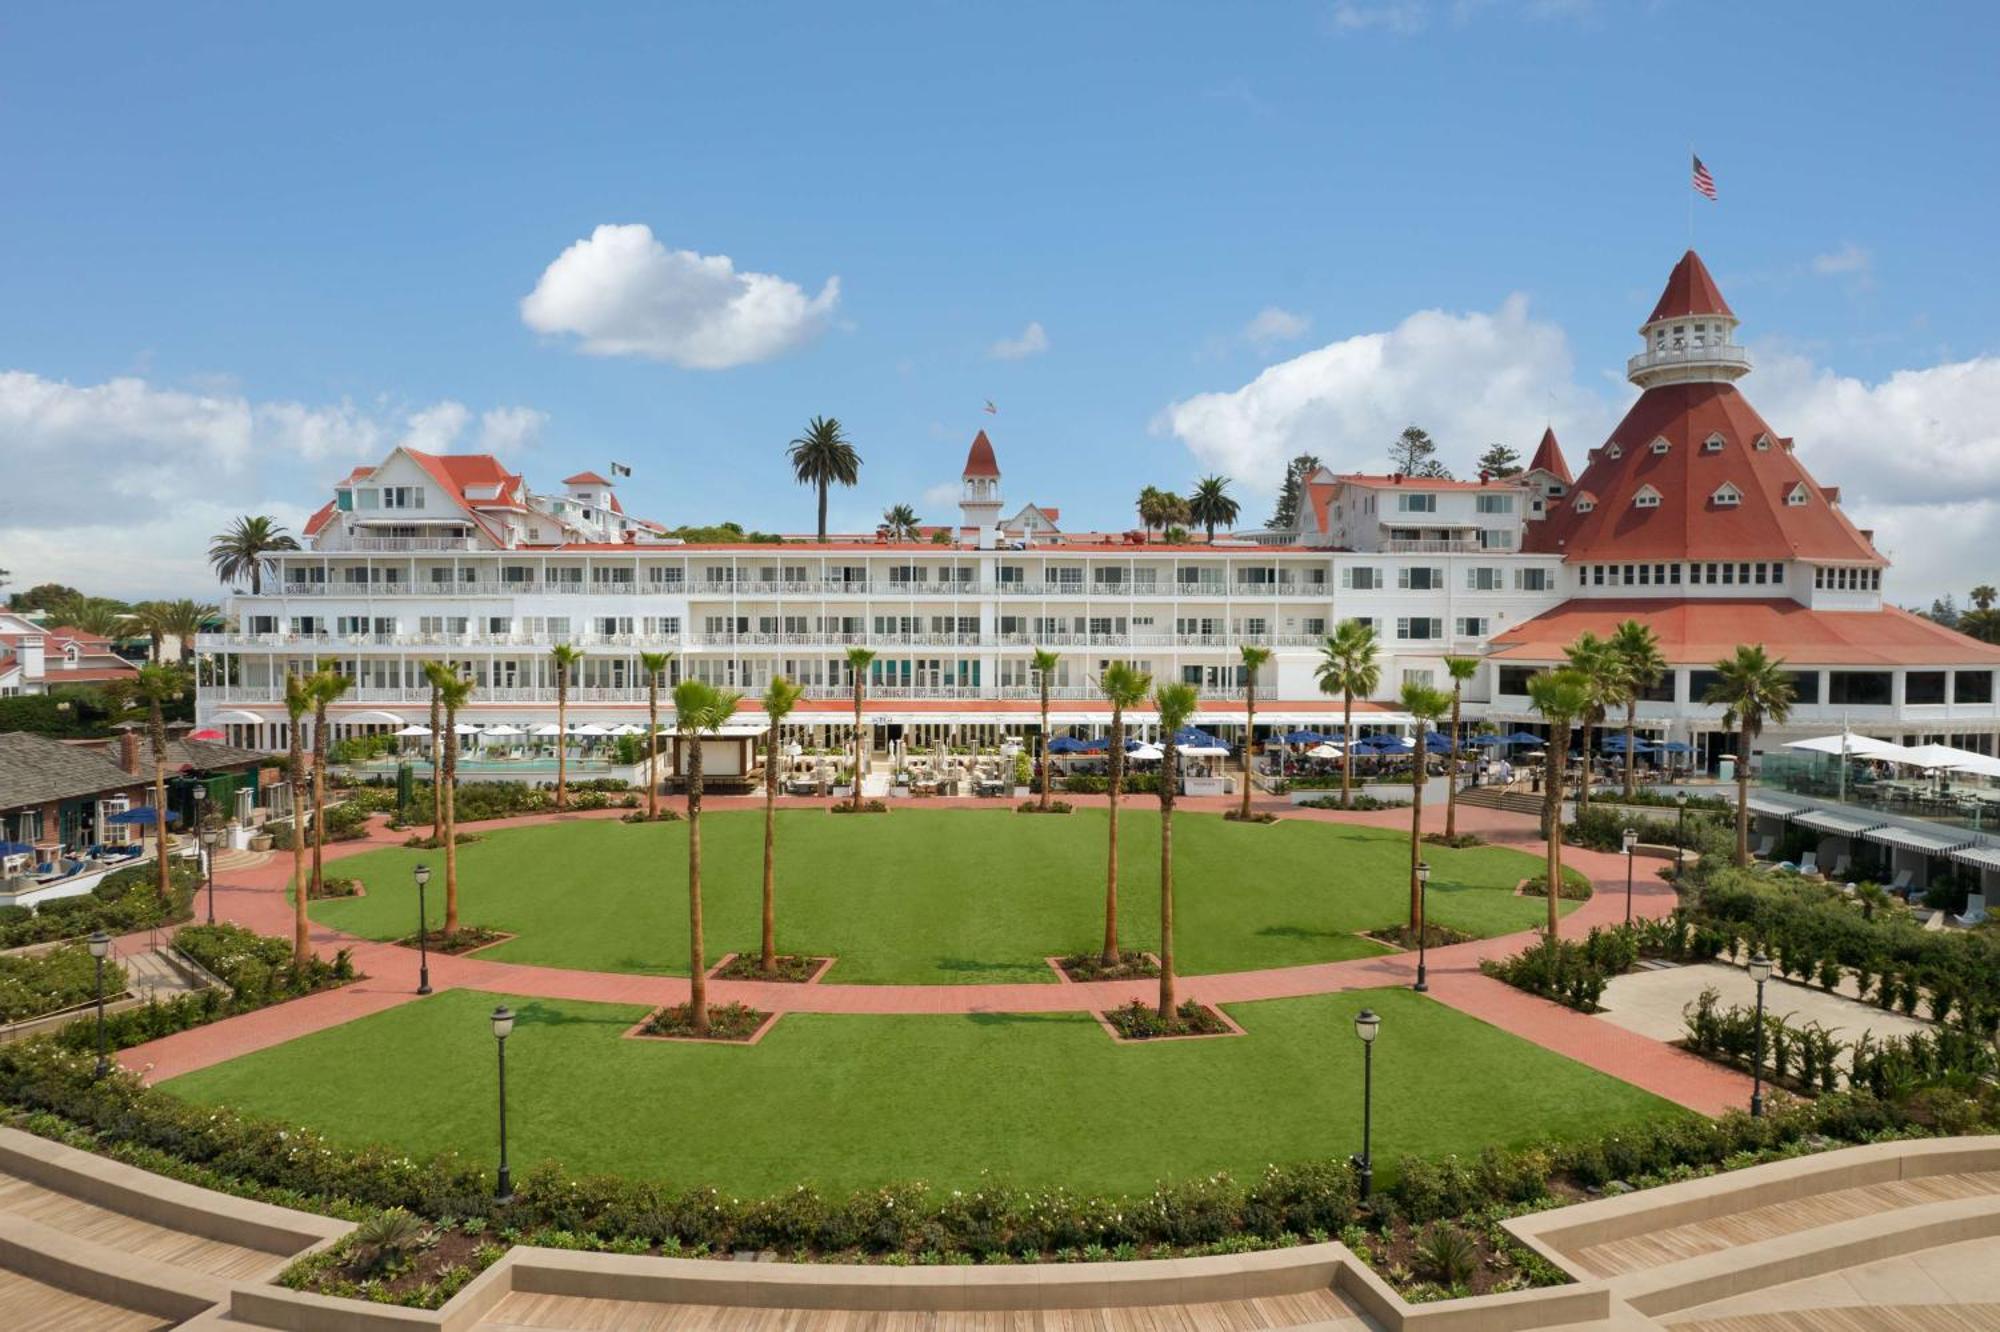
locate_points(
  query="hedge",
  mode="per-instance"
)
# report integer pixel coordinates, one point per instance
(123, 902)
(63, 977)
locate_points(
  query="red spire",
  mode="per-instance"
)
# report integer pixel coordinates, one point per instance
(980, 461)
(1690, 291)
(1549, 458)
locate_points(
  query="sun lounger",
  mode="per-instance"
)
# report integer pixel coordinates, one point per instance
(1764, 849)
(1839, 870)
(1975, 910)
(1809, 864)
(1900, 885)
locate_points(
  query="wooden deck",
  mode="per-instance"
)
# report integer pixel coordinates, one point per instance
(26, 1305)
(1676, 1243)
(124, 1234)
(1860, 1318)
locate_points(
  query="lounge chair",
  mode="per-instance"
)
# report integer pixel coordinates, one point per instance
(1840, 866)
(1764, 848)
(1809, 864)
(1900, 885)
(1975, 910)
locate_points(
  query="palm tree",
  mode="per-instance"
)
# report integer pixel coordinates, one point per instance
(453, 690)
(1755, 688)
(155, 686)
(1124, 686)
(1044, 664)
(823, 457)
(298, 702)
(1426, 705)
(699, 709)
(900, 523)
(1253, 661)
(182, 620)
(858, 660)
(1984, 596)
(1348, 667)
(1211, 507)
(564, 657)
(1560, 696)
(1638, 649)
(780, 697)
(1176, 705)
(246, 548)
(1598, 666)
(1149, 507)
(151, 619)
(432, 673)
(328, 684)
(654, 664)
(1460, 669)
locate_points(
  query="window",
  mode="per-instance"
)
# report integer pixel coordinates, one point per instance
(1314, 625)
(1496, 538)
(1420, 579)
(1362, 579)
(1763, 444)
(1727, 496)
(1472, 626)
(1867, 688)
(1797, 496)
(665, 577)
(1972, 686)
(1713, 444)
(1646, 498)
(1416, 503)
(402, 497)
(1613, 451)
(1585, 501)
(1805, 686)
(1494, 504)
(1419, 628)
(1011, 575)
(1484, 578)
(1418, 675)
(1661, 445)
(1531, 580)
(1923, 687)
(1514, 679)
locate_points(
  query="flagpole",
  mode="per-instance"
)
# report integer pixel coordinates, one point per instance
(1690, 195)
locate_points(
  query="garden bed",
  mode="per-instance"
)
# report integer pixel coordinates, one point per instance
(728, 1024)
(1435, 936)
(331, 887)
(1576, 886)
(663, 816)
(792, 969)
(1054, 807)
(1139, 1022)
(867, 807)
(468, 939)
(1082, 968)
(1254, 816)
(432, 842)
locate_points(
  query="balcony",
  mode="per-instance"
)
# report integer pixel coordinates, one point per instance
(1670, 363)
(365, 545)
(1437, 546)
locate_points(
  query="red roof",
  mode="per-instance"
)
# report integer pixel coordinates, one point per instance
(1688, 523)
(1549, 458)
(319, 518)
(1690, 291)
(1699, 631)
(980, 461)
(585, 479)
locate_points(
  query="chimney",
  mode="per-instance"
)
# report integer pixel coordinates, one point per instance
(128, 751)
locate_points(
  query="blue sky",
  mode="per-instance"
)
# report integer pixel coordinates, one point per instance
(246, 248)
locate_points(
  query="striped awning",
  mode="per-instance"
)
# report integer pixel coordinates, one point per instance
(1915, 839)
(1986, 857)
(1841, 825)
(1766, 805)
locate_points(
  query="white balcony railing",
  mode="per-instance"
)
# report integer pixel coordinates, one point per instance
(1672, 358)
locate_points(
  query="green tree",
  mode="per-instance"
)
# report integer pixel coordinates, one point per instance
(1044, 664)
(1602, 671)
(780, 697)
(1753, 688)
(1349, 667)
(858, 661)
(1211, 507)
(1460, 669)
(699, 709)
(148, 693)
(564, 658)
(151, 619)
(654, 664)
(1500, 462)
(823, 457)
(328, 687)
(298, 703)
(1415, 454)
(431, 671)
(1560, 696)
(247, 548)
(1292, 490)
(1123, 686)
(1176, 704)
(1642, 667)
(1426, 705)
(1254, 660)
(900, 523)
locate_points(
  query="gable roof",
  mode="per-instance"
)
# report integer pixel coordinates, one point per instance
(585, 479)
(1549, 458)
(979, 461)
(1700, 631)
(35, 769)
(1690, 291)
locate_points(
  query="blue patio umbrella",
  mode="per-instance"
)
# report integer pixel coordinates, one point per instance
(1485, 741)
(1098, 746)
(1390, 744)
(1675, 747)
(1437, 744)
(1615, 742)
(1305, 738)
(1064, 744)
(142, 814)
(16, 849)
(1191, 737)
(1520, 738)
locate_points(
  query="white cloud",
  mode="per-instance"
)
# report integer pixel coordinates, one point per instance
(623, 293)
(510, 430)
(1273, 325)
(432, 429)
(938, 499)
(1849, 258)
(1398, 16)
(1034, 340)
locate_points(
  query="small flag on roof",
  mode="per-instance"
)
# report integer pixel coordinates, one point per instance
(991, 410)
(1704, 182)
(620, 469)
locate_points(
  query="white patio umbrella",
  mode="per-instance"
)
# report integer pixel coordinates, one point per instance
(1847, 742)
(465, 728)
(1933, 756)
(592, 728)
(1149, 752)
(1325, 750)
(504, 729)
(548, 728)
(1203, 751)
(628, 729)
(415, 730)
(1979, 766)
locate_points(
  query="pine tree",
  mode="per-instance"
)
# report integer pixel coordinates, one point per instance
(1415, 454)
(1500, 461)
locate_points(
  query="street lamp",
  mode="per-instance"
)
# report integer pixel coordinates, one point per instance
(1366, 1025)
(1423, 984)
(1760, 971)
(503, 1022)
(210, 836)
(1631, 844)
(423, 876)
(1680, 833)
(100, 948)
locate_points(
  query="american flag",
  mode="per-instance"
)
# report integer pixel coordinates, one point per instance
(1703, 181)
(991, 410)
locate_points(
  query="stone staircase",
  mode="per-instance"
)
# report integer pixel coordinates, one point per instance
(1513, 799)
(152, 976)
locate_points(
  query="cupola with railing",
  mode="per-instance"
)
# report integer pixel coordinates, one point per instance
(1691, 334)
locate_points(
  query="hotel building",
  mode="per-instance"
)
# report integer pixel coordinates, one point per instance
(1694, 516)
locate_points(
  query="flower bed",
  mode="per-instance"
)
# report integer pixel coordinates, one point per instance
(1090, 966)
(792, 968)
(331, 886)
(1435, 936)
(1576, 885)
(32, 986)
(1035, 807)
(1570, 972)
(726, 1022)
(665, 815)
(123, 902)
(467, 939)
(433, 842)
(1456, 842)
(867, 807)
(1138, 1021)
(1254, 816)
(1361, 801)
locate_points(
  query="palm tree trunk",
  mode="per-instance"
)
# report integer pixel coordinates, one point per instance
(166, 881)
(1743, 795)
(768, 962)
(1110, 956)
(451, 825)
(1046, 765)
(697, 973)
(437, 771)
(1583, 771)
(1631, 725)
(1451, 770)
(1167, 883)
(1554, 843)
(319, 799)
(859, 743)
(562, 736)
(1417, 775)
(1249, 725)
(301, 938)
(1347, 750)
(822, 511)
(653, 748)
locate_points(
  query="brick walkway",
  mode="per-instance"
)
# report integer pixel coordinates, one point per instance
(255, 898)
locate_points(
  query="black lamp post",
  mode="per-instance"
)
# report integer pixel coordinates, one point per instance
(1681, 833)
(1760, 971)
(423, 876)
(503, 1022)
(1631, 840)
(1366, 1025)
(209, 837)
(100, 948)
(1423, 984)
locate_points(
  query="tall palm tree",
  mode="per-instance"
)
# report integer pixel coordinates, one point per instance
(1149, 508)
(1603, 674)
(780, 697)
(151, 619)
(564, 657)
(899, 523)
(432, 673)
(1210, 505)
(654, 664)
(1044, 664)
(858, 660)
(453, 689)
(1348, 666)
(1124, 686)
(699, 709)
(149, 692)
(1561, 696)
(328, 685)
(1754, 688)
(246, 548)
(298, 702)
(182, 620)
(1176, 705)
(1460, 669)
(1426, 705)
(1638, 649)
(823, 457)
(1984, 596)
(1253, 661)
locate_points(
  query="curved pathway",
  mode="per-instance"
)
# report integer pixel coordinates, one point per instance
(255, 897)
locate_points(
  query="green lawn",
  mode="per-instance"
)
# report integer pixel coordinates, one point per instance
(938, 896)
(853, 1101)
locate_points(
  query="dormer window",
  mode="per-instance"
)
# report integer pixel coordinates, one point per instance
(1584, 502)
(1713, 444)
(1797, 497)
(1612, 451)
(1660, 445)
(1557, 490)
(1763, 444)
(1726, 496)
(1646, 498)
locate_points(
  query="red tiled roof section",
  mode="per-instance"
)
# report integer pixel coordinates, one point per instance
(980, 460)
(319, 518)
(1690, 291)
(1687, 523)
(1698, 632)
(585, 479)
(1319, 494)
(456, 471)
(1549, 458)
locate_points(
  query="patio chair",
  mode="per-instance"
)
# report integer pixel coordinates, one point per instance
(1975, 910)
(1901, 884)
(1840, 866)
(1809, 864)
(1764, 848)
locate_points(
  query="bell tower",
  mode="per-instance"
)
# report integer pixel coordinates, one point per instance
(979, 492)
(1691, 335)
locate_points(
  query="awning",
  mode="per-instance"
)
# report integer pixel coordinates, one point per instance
(374, 717)
(1841, 825)
(1775, 808)
(1914, 839)
(237, 717)
(1986, 857)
